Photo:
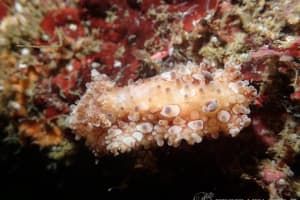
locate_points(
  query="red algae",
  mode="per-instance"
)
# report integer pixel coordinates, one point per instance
(3, 9)
(67, 18)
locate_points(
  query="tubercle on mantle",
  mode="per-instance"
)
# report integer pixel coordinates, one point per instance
(187, 103)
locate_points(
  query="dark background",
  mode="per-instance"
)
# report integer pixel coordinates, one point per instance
(213, 166)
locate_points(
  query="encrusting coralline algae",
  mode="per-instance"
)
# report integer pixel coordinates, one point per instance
(186, 103)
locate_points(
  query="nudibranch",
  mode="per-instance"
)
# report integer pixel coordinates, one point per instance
(186, 103)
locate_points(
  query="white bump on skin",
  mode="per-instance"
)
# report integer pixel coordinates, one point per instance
(144, 127)
(179, 121)
(129, 141)
(163, 122)
(114, 132)
(223, 116)
(196, 125)
(234, 131)
(234, 87)
(170, 111)
(239, 109)
(133, 117)
(198, 77)
(175, 130)
(210, 106)
(196, 137)
(138, 136)
(160, 142)
(166, 76)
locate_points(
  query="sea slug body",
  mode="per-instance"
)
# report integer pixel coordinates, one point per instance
(186, 103)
